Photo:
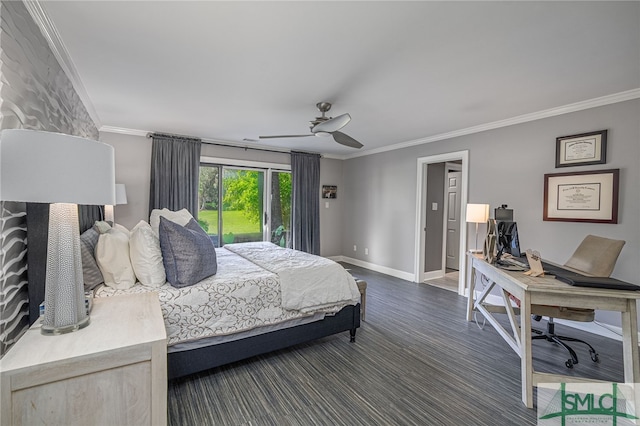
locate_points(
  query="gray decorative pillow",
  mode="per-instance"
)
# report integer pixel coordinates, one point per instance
(90, 271)
(188, 254)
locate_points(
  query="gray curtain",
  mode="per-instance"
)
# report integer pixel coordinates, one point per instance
(175, 165)
(305, 194)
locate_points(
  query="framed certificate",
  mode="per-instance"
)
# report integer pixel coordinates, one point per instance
(582, 196)
(581, 150)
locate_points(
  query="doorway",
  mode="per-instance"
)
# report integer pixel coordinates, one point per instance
(430, 247)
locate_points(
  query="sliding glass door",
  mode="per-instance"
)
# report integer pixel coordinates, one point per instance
(241, 204)
(280, 197)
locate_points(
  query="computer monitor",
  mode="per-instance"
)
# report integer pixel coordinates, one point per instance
(507, 240)
(503, 213)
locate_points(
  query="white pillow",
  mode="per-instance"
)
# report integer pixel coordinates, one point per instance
(122, 228)
(112, 257)
(181, 217)
(146, 256)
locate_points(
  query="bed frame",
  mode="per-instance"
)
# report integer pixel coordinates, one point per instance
(191, 361)
(181, 363)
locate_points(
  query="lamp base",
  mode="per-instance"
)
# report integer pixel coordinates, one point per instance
(65, 308)
(56, 331)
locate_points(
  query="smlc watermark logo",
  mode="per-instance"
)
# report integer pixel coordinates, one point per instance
(596, 403)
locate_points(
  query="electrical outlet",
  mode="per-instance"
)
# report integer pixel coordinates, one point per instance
(355, 248)
(366, 251)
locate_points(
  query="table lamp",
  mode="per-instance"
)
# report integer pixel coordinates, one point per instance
(477, 213)
(62, 170)
(121, 198)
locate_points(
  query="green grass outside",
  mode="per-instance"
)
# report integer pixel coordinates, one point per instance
(232, 221)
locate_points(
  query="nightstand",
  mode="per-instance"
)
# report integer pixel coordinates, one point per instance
(112, 372)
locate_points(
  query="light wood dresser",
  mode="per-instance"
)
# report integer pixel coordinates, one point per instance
(113, 372)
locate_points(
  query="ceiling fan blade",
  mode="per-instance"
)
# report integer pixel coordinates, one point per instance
(284, 136)
(346, 140)
(332, 124)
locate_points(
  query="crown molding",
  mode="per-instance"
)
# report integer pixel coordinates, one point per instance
(124, 131)
(59, 50)
(552, 112)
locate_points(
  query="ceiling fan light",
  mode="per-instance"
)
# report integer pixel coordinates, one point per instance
(323, 134)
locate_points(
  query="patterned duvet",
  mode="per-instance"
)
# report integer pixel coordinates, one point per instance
(240, 297)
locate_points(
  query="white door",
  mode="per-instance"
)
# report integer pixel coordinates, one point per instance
(453, 219)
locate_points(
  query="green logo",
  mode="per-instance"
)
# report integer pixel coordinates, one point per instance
(592, 403)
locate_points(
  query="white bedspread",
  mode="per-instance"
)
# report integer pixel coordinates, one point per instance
(308, 283)
(240, 297)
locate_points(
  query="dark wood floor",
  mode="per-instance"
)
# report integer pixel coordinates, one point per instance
(416, 361)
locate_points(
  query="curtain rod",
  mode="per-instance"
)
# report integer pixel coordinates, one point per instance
(171, 136)
(208, 142)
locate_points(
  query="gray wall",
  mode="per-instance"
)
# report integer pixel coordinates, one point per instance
(331, 211)
(507, 166)
(133, 168)
(379, 209)
(34, 94)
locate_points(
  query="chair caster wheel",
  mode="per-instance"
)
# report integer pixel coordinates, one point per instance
(594, 356)
(569, 363)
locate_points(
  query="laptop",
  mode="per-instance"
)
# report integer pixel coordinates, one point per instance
(578, 280)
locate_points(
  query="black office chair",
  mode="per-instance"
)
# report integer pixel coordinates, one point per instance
(596, 257)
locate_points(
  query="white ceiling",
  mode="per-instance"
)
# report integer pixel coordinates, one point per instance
(405, 71)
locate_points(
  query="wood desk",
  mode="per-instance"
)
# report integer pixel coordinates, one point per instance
(549, 291)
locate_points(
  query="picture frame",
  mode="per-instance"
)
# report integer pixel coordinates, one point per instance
(329, 191)
(581, 150)
(590, 196)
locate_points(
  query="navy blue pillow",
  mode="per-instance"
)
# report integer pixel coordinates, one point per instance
(188, 254)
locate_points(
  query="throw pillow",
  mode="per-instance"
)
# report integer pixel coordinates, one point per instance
(181, 217)
(187, 253)
(146, 257)
(112, 256)
(90, 272)
(102, 226)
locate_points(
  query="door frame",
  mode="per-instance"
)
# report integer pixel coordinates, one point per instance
(421, 181)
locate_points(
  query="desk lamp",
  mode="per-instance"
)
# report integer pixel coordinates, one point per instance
(62, 170)
(477, 213)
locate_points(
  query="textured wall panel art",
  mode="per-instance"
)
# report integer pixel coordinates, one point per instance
(35, 93)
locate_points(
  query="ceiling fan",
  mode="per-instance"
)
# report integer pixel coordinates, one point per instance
(326, 126)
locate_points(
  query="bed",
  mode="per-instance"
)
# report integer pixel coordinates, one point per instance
(226, 340)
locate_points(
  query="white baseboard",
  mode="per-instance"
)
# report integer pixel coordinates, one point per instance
(408, 276)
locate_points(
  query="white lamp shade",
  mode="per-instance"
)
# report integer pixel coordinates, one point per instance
(45, 167)
(477, 213)
(121, 194)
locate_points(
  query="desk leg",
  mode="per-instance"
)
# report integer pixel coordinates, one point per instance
(471, 286)
(526, 364)
(630, 343)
